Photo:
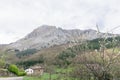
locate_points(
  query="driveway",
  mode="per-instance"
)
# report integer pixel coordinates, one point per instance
(12, 78)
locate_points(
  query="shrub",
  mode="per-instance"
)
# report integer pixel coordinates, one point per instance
(2, 63)
(14, 69)
(65, 58)
(21, 73)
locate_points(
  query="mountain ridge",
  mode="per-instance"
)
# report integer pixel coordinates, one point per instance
(47, 36)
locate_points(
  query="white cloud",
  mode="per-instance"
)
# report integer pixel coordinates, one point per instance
(19, 17)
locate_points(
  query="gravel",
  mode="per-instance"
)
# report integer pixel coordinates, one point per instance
(12, 78)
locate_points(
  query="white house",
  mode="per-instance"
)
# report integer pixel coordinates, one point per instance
(29, 71)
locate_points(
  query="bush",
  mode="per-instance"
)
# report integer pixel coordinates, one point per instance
(14, 69)
(2, 63)
(65, 58)
(21, 73)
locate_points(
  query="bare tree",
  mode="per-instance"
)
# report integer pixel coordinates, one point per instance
(102, 64)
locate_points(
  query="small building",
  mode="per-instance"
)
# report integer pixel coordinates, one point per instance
(29, 71)
(38, 70)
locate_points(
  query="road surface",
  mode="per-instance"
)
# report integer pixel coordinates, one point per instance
(12, 78)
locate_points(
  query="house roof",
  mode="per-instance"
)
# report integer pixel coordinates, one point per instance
(37, 67)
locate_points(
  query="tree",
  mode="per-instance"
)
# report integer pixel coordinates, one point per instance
(103, 64)
(2, 61)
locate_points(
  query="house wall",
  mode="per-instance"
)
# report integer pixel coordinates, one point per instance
(38, 71)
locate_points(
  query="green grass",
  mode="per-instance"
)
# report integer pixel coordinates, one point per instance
(54, 77)
(45, 76)
(66, 70)
(60, 75)
(31, 78)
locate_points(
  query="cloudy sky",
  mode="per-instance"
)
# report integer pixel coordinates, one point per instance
(20, 17)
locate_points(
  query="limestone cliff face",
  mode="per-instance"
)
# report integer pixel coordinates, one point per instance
(46, 36)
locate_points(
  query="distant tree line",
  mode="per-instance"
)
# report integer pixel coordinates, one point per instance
(28, 63)
(27, 52)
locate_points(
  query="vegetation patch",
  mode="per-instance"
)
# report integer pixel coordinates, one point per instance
(27, 52)
(14, 69)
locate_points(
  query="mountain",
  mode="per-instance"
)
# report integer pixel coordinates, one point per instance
(47, 36)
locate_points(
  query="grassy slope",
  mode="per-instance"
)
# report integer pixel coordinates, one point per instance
(45, 76)
(48, 53)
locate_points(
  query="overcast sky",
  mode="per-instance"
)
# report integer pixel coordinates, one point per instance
(20, 17)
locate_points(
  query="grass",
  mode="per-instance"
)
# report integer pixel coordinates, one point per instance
(60, 75)
(45, 76)
(54, 77)
(61, 70)
(31, 78)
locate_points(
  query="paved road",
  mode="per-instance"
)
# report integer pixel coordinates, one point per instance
(12, 78)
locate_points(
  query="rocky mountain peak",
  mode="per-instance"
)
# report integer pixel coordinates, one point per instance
(46, 36)
(41, 31)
